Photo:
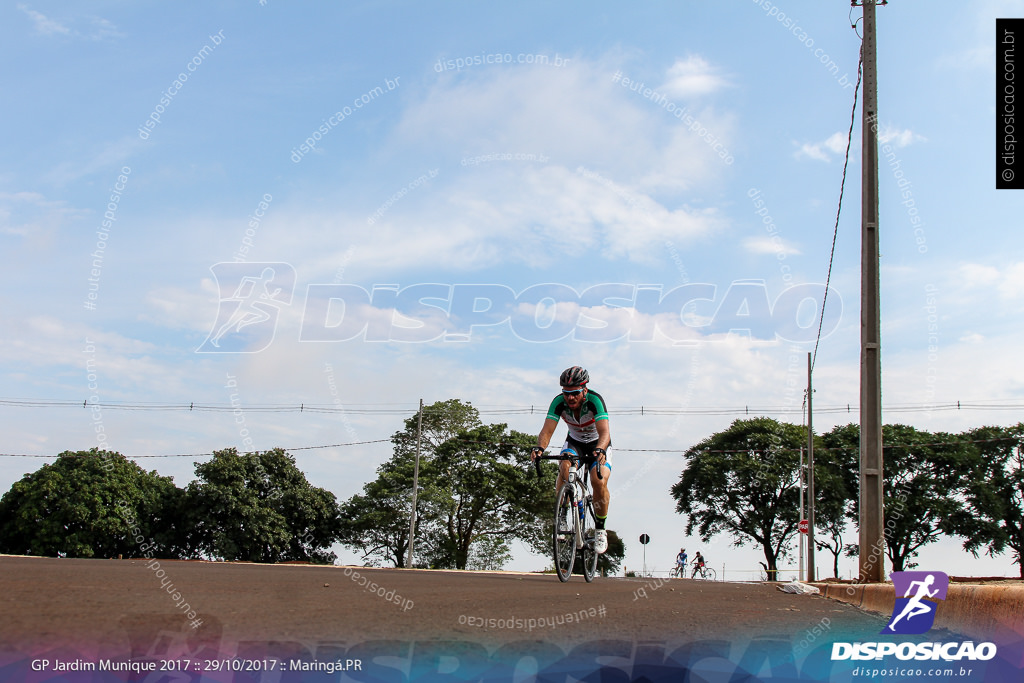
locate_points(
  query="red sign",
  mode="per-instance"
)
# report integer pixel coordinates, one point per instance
(804, 526)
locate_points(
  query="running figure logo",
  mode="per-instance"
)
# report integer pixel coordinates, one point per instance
(914, 613)
(251, 297)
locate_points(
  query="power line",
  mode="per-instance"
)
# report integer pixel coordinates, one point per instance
(1008, 439)
(410, 409)
(200, 455)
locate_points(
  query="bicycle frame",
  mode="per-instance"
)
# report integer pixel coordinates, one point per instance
(579, 495)
(574, 494)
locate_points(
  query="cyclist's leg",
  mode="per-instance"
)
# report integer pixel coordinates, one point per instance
(599, 486)
(602, 496)
(563, 475)
(563, 469)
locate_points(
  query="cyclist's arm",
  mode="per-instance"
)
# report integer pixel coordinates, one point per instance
(604, 434)
(546, 432)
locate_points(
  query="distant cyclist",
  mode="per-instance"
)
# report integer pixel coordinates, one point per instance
(586, 417)
(698, 564)
(681, 562)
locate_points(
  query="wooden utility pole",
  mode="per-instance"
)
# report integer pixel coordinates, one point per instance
(810, 475)
(415, 485)
(872, 540)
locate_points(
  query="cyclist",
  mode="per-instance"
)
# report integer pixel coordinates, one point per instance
(586, 417)
(698, 564)
(681, 562)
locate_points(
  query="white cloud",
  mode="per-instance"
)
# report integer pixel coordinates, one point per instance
(177, 308)
(899, 137)
(976, 275)
(43, 24)
(769, 245)
(108, 159)
(1012, 285)
(98, 28)
(32, 216)
(835, 144)
(505, 215)
(574, 115)
(974, 49)
(692, 77)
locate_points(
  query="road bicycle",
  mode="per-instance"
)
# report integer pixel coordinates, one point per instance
(678, 572)
(575, 527)
(703, 572)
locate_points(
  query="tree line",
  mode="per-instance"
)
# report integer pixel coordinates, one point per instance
(477, 498)
(744, 482)
(256, 507)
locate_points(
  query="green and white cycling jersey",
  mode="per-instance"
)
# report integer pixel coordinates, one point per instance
(582, 429)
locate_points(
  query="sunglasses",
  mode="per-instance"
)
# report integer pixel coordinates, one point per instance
(571, 392)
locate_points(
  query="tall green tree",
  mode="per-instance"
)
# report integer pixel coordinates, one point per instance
(88, 504)
(376, 522)
(744, 482)
(442, 421)
(992, 485)
(489, 553)
(916, 500)
(836, 487)
(259, 507)
(475, 498)
(483, 490)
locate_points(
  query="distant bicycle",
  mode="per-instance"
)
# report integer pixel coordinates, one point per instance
(678, 572)
(703, 572)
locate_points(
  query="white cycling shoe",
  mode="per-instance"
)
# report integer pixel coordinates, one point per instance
(601, 541)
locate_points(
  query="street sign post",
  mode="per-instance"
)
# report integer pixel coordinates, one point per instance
(644, 540)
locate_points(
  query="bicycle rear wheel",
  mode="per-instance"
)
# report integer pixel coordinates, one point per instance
(709, 573)
(563, 539)
(588, 554)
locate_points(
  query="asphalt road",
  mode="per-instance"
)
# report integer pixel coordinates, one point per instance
(98, 602)
(135, 610)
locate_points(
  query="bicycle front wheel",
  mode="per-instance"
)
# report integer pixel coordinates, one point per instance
(563, 540)
(589, 553)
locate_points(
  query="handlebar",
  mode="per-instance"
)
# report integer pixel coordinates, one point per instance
(560, 456)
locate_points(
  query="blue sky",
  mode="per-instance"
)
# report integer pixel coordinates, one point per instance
(556, 163)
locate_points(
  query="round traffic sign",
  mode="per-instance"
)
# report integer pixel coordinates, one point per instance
(645, 539)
